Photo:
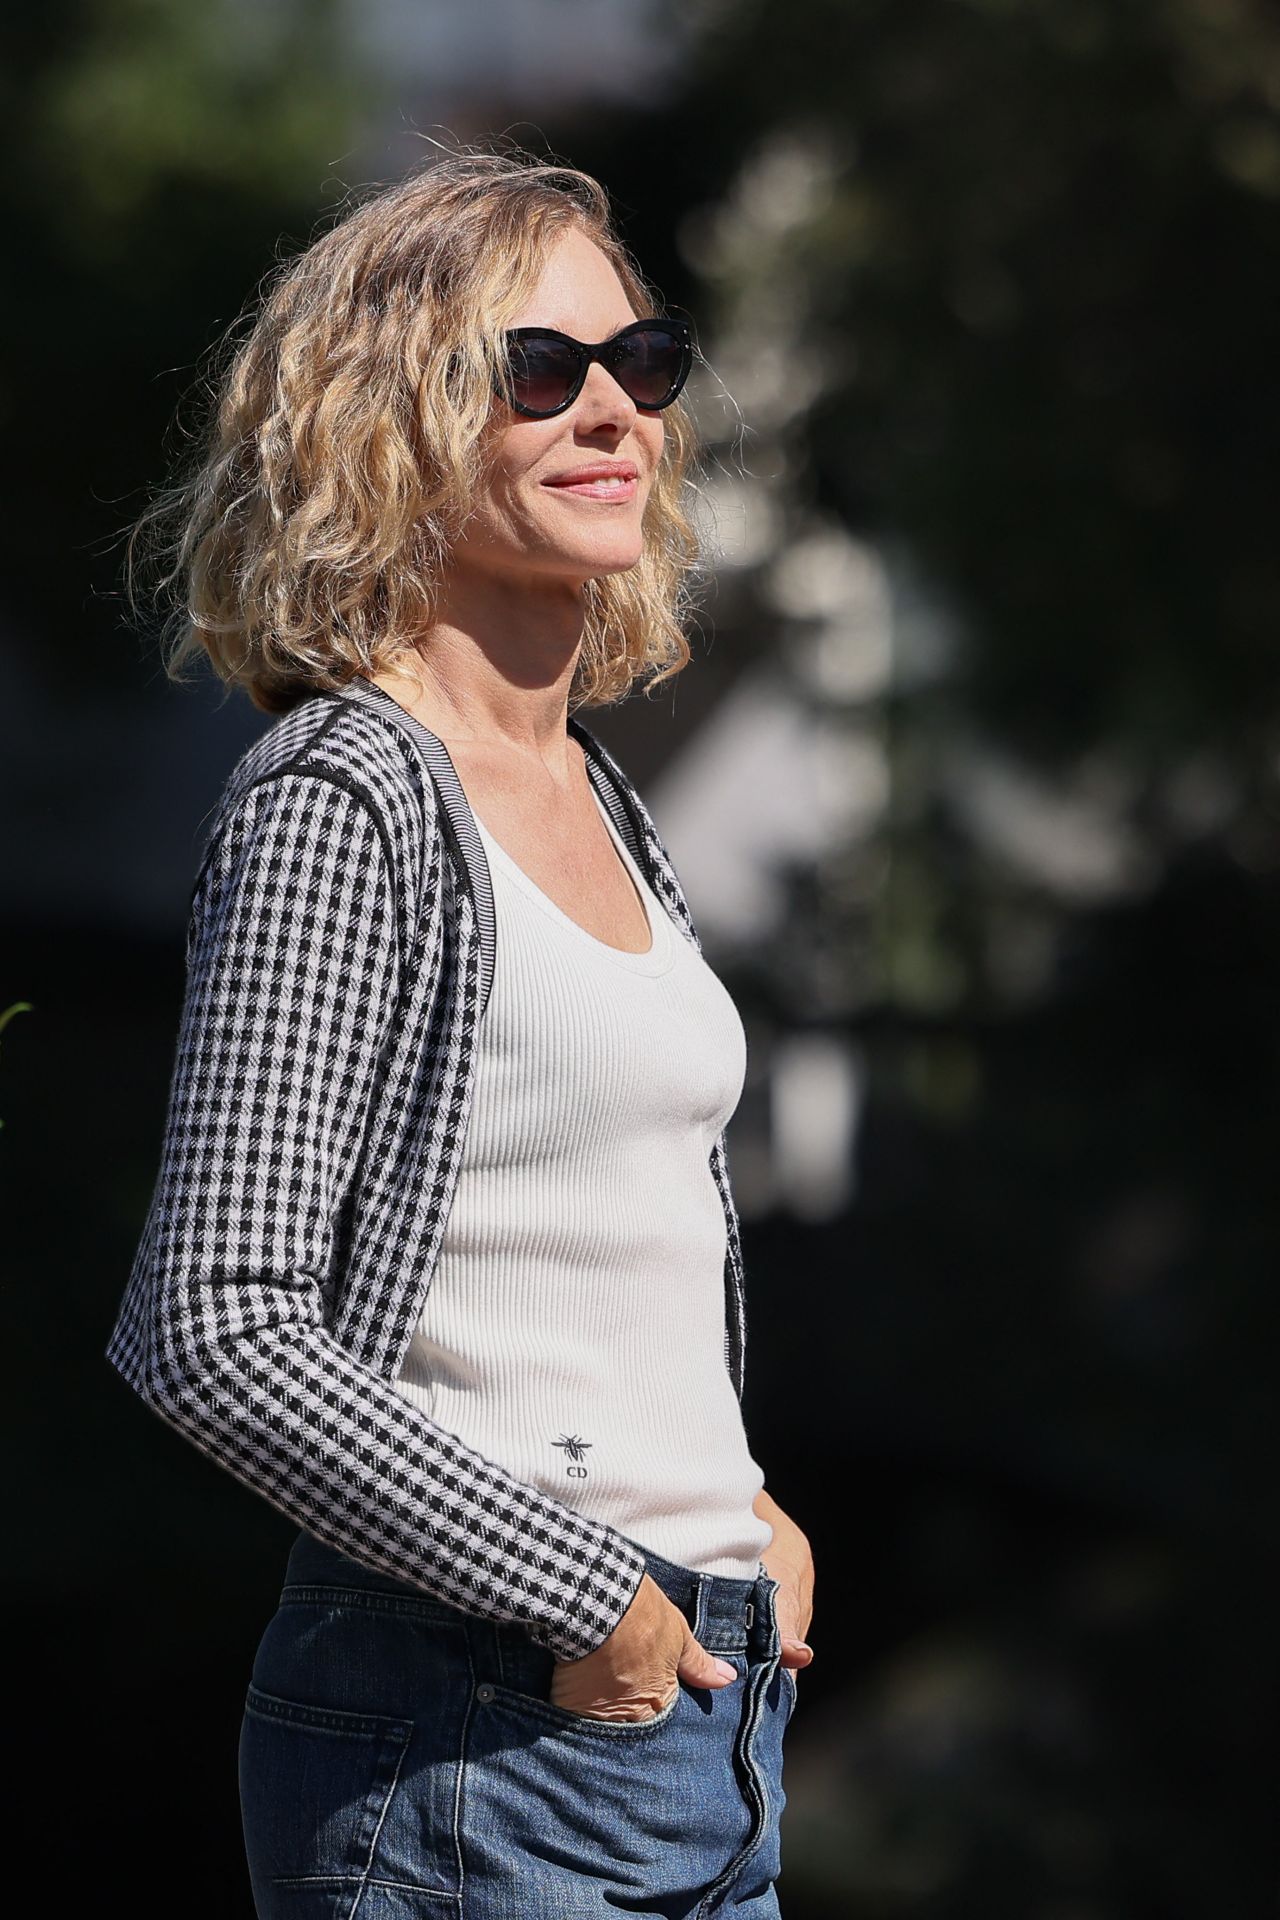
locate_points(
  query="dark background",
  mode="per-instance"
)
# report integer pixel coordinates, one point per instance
(992, 289)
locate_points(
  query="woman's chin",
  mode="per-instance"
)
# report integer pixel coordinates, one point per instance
(619, 559)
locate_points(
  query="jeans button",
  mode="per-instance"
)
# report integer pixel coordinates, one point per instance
(484, 1692)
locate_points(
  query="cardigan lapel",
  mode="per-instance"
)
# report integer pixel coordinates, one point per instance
(456, 816)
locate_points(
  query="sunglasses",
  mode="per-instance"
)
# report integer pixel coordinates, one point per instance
(545, 370)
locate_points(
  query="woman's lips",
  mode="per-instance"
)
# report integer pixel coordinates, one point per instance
(614, 490)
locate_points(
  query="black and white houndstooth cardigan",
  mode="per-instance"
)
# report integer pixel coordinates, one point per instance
(339, 947)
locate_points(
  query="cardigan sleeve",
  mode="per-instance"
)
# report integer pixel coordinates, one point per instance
(224, 1331)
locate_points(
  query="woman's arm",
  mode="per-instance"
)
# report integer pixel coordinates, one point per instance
(291, 986)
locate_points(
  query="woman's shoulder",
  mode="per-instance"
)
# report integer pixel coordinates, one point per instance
(335, 738)
(329, 737)
(332, 739)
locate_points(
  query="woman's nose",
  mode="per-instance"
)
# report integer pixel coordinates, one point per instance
(602, 397)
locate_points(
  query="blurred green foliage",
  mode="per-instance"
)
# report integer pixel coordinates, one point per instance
(1045, 272)
(236, 97)
(156, 156)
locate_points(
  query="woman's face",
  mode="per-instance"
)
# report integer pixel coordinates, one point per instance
(529, 527)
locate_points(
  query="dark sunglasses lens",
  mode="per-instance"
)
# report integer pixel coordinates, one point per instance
(648, 364)
(542, 372)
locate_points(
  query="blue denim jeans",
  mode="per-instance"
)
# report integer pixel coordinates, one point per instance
(402, 1760)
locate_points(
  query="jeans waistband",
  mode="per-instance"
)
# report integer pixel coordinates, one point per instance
(724, 1614)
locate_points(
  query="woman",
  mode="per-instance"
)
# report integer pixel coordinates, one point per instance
(442, 1258)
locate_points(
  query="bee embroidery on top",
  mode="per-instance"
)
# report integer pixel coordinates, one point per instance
(574, 1447)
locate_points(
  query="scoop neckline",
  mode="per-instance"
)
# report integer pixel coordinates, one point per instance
(657, 957)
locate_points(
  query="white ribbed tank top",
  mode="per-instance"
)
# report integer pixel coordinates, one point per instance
(574, 1329)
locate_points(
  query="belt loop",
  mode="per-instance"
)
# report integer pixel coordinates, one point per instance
(699, 1621)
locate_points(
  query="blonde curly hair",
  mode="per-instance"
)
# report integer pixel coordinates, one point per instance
(344, 448)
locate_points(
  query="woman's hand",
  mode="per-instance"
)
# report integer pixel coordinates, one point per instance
(637, 1671)
(787, 1560)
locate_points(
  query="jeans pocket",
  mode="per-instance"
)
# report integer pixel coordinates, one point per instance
(315, 1786)
(523, 1687)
